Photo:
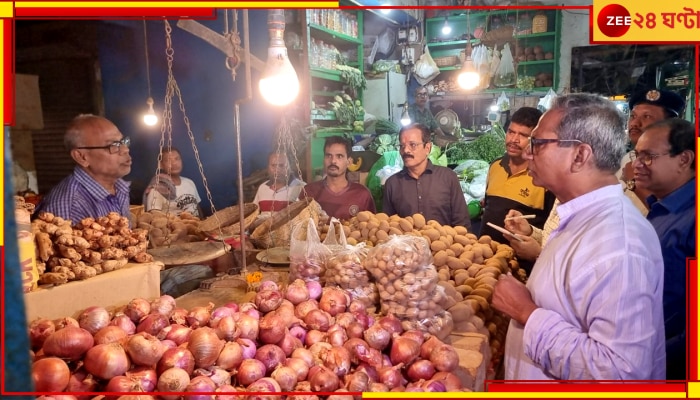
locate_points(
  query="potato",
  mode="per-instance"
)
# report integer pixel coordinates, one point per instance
(485, 239)
(457, 249)
(364, 216)
(483, 303)
(381, 235)
(438, 245)
(433, 234)
(473, 269)
(461, 312)
(486, 251)
(382, 216)
(440, 258)
(395, 231)
(455, 263)
(462, 240)
(464, 290)
(461, 276)
(406, 225)
(483, 292)
(418, 220)
(447, 239)
(460, 230)
(384, 226)
(450, 253)
(373, 223)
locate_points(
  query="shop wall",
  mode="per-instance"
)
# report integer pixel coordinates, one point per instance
(208, 96)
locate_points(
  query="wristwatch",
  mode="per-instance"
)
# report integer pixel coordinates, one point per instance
(630, 184)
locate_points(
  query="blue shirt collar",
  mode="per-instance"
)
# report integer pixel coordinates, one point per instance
(679, 199)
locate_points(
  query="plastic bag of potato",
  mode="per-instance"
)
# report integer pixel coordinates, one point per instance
(307, 255)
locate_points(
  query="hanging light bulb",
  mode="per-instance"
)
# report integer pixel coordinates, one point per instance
(385, 11)
(446, 29)
(279, 84)
(150, 118)
(468, 77)
(405, 118)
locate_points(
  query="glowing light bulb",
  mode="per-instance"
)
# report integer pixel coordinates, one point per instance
(405, 118)
(468, 77)
(446, 29)
(279, 84)
(150, 118)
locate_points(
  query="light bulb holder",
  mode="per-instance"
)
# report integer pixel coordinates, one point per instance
(405, 117)
(150, 118)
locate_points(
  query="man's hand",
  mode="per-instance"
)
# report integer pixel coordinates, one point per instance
(511, 297)
(518, 225)
(528, 249)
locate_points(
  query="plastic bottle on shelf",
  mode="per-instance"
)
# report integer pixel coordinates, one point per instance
(325, 57)
(336, 21)
(313, 56)
(353, 24)
(524, 26)
(334, 55)
(322, 16)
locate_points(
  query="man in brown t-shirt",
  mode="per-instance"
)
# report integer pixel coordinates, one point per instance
(337, 196)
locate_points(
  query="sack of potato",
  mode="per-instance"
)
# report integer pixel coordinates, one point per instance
(407, 283)
(307, 255)
(165, 229)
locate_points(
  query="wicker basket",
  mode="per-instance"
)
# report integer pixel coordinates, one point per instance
(228, 219)
(445, 61)
(276, 230)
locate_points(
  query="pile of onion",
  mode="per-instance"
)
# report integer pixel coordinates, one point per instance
(300, 339)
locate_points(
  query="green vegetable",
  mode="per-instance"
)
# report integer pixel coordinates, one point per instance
(486, 147)
(383, 143)
(352, 76)
(384, 126)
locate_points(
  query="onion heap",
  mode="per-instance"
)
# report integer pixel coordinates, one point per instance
(408, 284)
(327, 345)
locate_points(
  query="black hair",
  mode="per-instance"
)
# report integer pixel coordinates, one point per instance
(424, 131)
(681, 135)
(331, 140)
(526, 116)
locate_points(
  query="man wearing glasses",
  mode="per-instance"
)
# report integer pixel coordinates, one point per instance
(422, 187)
(664, 164)
(420, 112)
(95, 188)
(592, 307)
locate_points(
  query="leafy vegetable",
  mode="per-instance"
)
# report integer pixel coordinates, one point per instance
(352, 76)
(437, 157)
(486, 147)
(384, 126)
(384, 143)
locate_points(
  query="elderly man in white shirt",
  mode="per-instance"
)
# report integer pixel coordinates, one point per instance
(281, 188)
(592, 307)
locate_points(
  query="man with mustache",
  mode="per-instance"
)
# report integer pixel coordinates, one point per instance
(646, 108)
(337, 196)
(508, 185)
(281, 188)
(422, 187)
(95, 188)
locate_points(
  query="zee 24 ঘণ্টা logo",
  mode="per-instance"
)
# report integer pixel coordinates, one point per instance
(646, 23)
(614, 20)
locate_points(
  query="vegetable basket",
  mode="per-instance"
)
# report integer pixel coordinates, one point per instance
(445, 61)
(276, 230)
(228, 219)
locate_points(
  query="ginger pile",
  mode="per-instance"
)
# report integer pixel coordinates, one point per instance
(91, 247)
(165, 229)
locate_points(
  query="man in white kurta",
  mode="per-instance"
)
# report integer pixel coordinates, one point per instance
(592, 307)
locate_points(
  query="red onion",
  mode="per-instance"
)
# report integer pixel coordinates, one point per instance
(337, 359)
(173, 380)
(81, 381)
(451, 381)
(324, 380)
(226, 329)
(178, 358)
(304, 354)
(286, 377)
(391, 376)
(444, 357)
(344, 319)
(199, 316)
(70, 343)
(58, 397)
(228, 392)
(289, 343)
(434, 386)
(378, 387)
(318, 320)
(205, 347)
(168, 344)
(417, 335)
(371, 371)
(364, 319)
(175, 332)
(340, 396)
(200, 384)
(231, 356)
(357, 306)
(268, 300)
(268, 285)
(233, 306)
(334, 300)
(144, 349)
(122, 383)
(420, 369)
(250, 371)
(319, 351)
(314, 336)
(404, 350)
(303, 386)
(179, 316)
(337, 335)
(39, 330)
(124, 322)
(64, 322)
(249, 348)
(247, 326)
(299, 366)
(136, 309)
(355, 330)
(106, 361)
(361, 351)
(264, 385)
(391, 324)
(164, 304)
(358, 381)
(152, 324)
(427, 347)
(298, 332)
(315, 289)
(271, 329)
(377, 337)
(110, 334)
(270, 355)
(145, 377)
(217, 374)
(297, 292)
(50, 374)
(92, 319)
(250, 310)
(386, 360)
(218, 313)
(304, 307)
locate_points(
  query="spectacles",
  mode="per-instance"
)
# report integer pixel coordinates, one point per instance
(113, 148)
(645, 158)
(535, 143)
(410, 145)
(421, 94)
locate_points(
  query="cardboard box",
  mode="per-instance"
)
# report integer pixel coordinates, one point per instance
(358, 177)
(474, 357)
(110, 289)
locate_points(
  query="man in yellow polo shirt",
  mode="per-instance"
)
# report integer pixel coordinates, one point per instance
(509, 186)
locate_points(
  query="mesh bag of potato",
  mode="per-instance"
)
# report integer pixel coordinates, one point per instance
(408, 284)
(307, 255)
(344, 266)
